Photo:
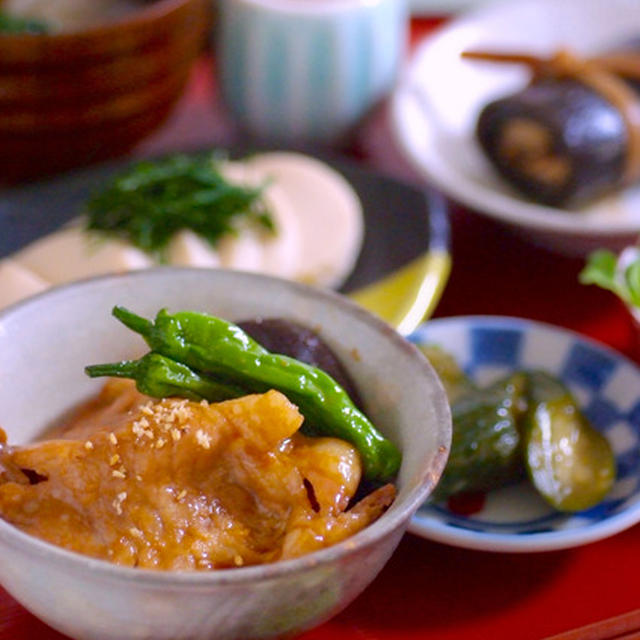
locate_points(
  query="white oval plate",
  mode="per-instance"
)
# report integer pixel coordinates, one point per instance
(439, 97)
(441, 7)
(606, 386)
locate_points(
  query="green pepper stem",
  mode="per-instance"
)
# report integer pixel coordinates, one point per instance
(125, 369)
(133, 321)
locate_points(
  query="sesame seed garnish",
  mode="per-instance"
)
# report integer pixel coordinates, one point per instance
(112, 438)
(115, 458)
(183, 412)
(176, 435)
(88, 445)
(203, 439)
(117, 503)
(160, 442)
(182, 494)
(118, 473)
(135, 532)
(238, 560)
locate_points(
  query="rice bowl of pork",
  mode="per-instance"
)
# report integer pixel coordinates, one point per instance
(53, 336)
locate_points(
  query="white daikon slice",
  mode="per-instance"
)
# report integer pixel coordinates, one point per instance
(188, 249)
(17, 282)
(72, 254)
(329, 213)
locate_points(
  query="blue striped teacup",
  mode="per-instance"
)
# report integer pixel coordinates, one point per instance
(308, 70)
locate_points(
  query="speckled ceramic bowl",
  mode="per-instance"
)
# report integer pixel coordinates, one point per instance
(45, 343)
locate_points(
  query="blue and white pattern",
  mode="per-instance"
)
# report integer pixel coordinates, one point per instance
(298, 71)
(607, 387)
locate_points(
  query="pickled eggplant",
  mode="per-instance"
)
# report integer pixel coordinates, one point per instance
(486, 450)
(569, 462)
(530, 140)
(570, 136)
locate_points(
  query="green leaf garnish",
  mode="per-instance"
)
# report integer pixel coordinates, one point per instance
(10, 23)
(632, 279)
(602, 270)
(152, 201)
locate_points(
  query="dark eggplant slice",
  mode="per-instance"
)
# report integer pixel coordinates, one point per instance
(557, 141)
(565, 139)
(296, 341)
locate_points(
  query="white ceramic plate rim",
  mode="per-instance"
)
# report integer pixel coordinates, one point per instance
(440, 7)
(406, 110)
(524, 543)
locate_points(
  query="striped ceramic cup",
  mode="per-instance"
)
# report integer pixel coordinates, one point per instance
(307, 70)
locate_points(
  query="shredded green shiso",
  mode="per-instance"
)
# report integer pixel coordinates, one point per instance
(604, 270)
(153, 200)
(13, 24)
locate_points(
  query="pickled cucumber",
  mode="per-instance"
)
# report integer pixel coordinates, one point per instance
(454, 380)
(526, 424)
(569, 462)
(486, 450)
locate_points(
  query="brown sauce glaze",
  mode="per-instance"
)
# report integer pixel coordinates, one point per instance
(180, 485)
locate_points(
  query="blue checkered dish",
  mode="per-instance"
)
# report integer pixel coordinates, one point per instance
(607, 388)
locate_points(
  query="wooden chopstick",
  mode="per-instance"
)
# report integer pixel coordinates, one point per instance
(622, 627)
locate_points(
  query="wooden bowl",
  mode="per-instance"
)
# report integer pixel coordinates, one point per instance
(70, 99)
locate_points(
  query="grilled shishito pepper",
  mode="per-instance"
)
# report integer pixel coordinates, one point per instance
(161, 377)
(218, 351)
(486, 448)
(570, 463)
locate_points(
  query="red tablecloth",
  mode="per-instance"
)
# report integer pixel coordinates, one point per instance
(431, 591)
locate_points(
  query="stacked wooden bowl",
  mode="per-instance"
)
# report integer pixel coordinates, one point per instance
(69, 99)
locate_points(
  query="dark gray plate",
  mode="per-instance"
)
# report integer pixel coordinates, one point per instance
(402, 222)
